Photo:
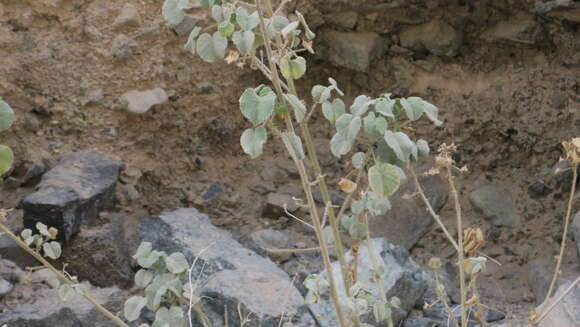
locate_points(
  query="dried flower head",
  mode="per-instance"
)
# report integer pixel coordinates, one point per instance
(572, 149)
(444, 157)
(473, 239)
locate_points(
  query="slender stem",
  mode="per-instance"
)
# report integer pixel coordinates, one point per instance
(430, 209)
(460, 244)
(565, 234)
(61, 276)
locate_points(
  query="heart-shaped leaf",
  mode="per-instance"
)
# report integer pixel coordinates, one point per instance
(172, 11)
(6, 116)
(143, 278)
(293, 68)
(361, 105)
(244, 41)
(176, 263)
(66, 292)
(133, 307)
(226, 28)
(289, 29)
(253, 141)
(190, 44)
(422, 148)
(257, 109)
(413, 107)
(432, 112)
(385, 107)
(212, 47)
(384, 179)
(247, 21)
(52, 250)
(358, 160)
(374, 126)
(401, 145)
(333, 110)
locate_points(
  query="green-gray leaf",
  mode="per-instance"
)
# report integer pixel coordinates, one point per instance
(320, 93)
(172, 12)
(297, 105)
(143, 278)
(133, 307)
(244, 41)
(279, 22)
(361, 105)
(42, 229)
(176, 263)
(333, 110)
(293, 68)
(66, 292)
(211, 48)
(293, 145)
(385, 107)
(217, 13)
(257, 109)
(6, 116)
(226, 28)
(190, 44)
(52, 250)
(413, 107)
(289, 29)
(247, 22)
(402, 145)
(384, 179)
(6, 159)
(374, 126)
(253, 141)
(422, 148)
(431, 111)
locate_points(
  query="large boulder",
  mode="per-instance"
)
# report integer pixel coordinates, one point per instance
(496, 204)
(73, 192)
(352, 50)
(401, 276)
(234, 277)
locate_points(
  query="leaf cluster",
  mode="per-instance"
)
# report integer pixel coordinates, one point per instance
(6, 121)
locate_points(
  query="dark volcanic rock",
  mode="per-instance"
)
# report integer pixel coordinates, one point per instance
(73, 192)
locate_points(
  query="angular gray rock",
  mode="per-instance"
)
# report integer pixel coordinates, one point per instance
(575, 227)
(496, 204)
(567, 312)
(520, 29)
(128, 16)
(436, 37)
(73, 192)
(402, 278)
(5, 287)
(233, 275)
(275, 203)
(186, 25)
(540, 273)
(408, 219)
(107, 264)
(139, 102)
(352, 50)
(271, 239)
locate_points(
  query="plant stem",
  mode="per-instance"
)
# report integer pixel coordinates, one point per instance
(460, 251)
(430, 209)
(565, 234)
(558, 300)
(61, 276)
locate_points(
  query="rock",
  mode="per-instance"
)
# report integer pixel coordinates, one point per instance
(212, 192)
(128, 16)
(108, 264)
(562, 175)
(43, 308)
(234, 277)
(139, 102)
(575, 227)
(93, 96)
(271, 239)
(411, 211)
(496, 204)
(275, 203)
(5, 287)
(72, 193)
(352, 50)
(345, 19)
(401, 278)
(538, 189)
(565, 313)
(519, 29)
(33, 173)
(436, 37)
(186, 25)
(274, 174)
(123, 47)
(540, 273)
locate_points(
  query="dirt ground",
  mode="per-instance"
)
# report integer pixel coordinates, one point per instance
(507, 107)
